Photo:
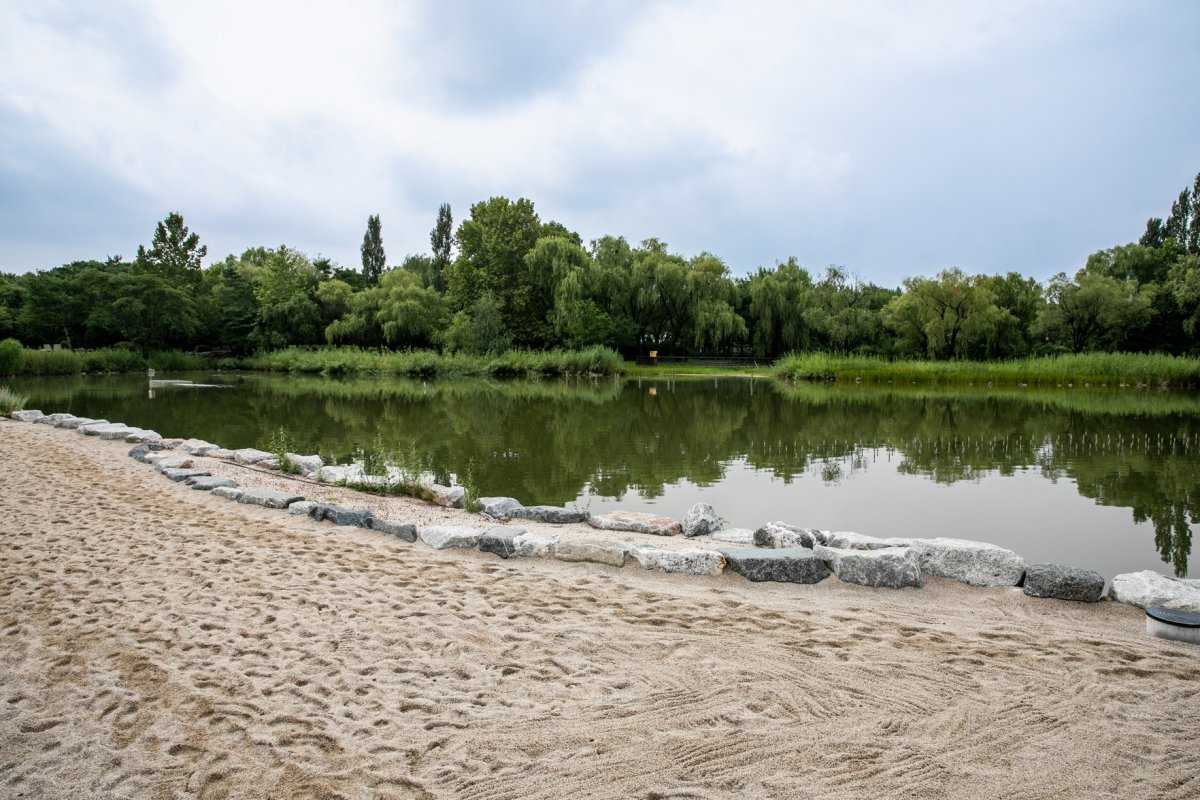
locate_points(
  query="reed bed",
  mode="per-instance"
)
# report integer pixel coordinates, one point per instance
(40, 363)
(1085, 369)
(430, 364)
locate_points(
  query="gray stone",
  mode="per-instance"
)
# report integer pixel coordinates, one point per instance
(268, 498)
(445, 536)
(782, 535)
(700, 520)
(197, 447)
(250, 456)
(340, 516)
(1064, 583)
(207, 484)
(598, 552)
(84, 425)
(497, 507)
(52, 419)
(1148, 588)
(406, 531)
(94, 428)
(553, 514)
(112, 433)
(72, 423)
(307, 466)
(974, 563)
(339, 475)
(688, 562)
(888, 567)
(221, 453)
(448, 496)
(178, 475)
(516, 543)
(735, 536)
(30, 415)
(636, 522)
(143, 452)
(170, 462)
(786, 565)
(302, 509)
(229, 492)
(849, 540)
(141, 437)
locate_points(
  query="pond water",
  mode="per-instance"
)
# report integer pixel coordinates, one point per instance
(1107, 480)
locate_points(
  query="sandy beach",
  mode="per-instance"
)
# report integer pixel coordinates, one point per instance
(160, 642)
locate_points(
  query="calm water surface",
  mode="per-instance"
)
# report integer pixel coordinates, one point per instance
(1108, 480)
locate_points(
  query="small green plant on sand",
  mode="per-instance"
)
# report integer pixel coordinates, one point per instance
(10, 401)
(280, 444)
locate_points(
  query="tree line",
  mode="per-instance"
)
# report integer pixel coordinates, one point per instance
(504, 278)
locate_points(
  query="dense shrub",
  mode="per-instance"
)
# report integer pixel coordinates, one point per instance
(12, 357)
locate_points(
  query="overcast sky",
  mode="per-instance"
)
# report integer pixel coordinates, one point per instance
(893, 138)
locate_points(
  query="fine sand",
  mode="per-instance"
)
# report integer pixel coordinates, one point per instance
(161, 642)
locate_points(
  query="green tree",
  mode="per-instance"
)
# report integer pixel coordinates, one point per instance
(778, 301)
(944, 316)
(175, 252)
(716, 326)
(373, 258)
(480, 330)
(287, 312)
(148, 310)
(227, 306)
(1093, 310)
(441, 238)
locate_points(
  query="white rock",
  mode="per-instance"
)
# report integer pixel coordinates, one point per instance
(197, 447)
(613, 553)
(781, 535)
(974, 563)
(92, 428)
(250, 456)
(301, 508)
(700, 520)
(337, 475)
(446, 536)
(449, 496)
(142, 437)
(735, 536)
(308, 466)
(31, 415)
(1148, 588)
(689, 562)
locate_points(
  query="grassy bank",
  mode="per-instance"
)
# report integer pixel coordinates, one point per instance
(429, 364)
(1097, 369)
(21, 361)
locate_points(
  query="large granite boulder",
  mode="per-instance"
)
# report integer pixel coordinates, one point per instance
(554, 514)
(308, 466)
(143, 437)
(340, 516)
(112, 433)
(782, 535)
(636, 522)
(85, 425)
(849, 540)
(1148, 588)
(888, 567)
(52, 419)
(302, 509)
(230, 492)
(405, 531)
(339, 475)
(1064, 583)
(516, 543)
(612, 553)
(197, 447)
(786, 565)
(94, 428)
(446, 536)
(72, 423)
(743, 536)
(222, 453)
(27, 415)
(700, 520)
(688, 562)
(268, 498)
(170, 462)
(448, 496)
(250, 457)
(974, 563)
(498, 507)
(178, 475)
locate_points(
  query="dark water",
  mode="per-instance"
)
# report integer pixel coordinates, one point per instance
(1103, 480)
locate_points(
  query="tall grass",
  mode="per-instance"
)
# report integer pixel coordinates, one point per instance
(429, 364)
(106, 360)
(1110, 369)
(10, 401)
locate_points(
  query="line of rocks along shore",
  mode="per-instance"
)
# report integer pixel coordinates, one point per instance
(777, 551)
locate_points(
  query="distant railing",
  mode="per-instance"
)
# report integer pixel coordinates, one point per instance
(704, 361)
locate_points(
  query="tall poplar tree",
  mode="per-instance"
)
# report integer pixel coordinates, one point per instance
(373, 258)
(441, 237)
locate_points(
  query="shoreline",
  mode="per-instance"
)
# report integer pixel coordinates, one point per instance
(161, 641)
